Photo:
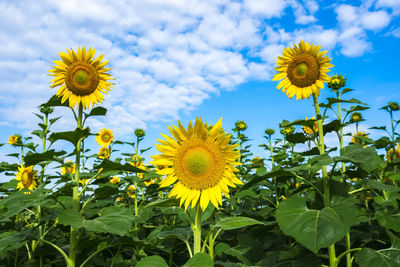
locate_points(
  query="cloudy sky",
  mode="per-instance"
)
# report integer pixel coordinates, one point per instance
(175, 59)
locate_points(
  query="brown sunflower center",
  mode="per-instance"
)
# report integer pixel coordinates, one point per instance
(199, 164)
(82, 78)
(26, 178)
(303, 70)
(105, 137)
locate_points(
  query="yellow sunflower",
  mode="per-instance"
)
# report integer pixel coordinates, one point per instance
(71, 168)
(14, 139)
(355, 139)
(27, 178)
(131, 190)
(104, 152)
(104, 137)
(114, 180)
(83, 79)
(200, 161)
(302, 70)
(308, 130)
(391, 155)
(84, 182)
(137, 161)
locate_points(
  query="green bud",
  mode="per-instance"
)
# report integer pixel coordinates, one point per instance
(140, 133)
(240, 126)
(394, 106)
(337, 82)
(356, 117)
(269, 132)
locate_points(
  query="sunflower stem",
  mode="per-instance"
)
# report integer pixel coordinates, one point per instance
(197, 231)
(325, 178)
(73, 244)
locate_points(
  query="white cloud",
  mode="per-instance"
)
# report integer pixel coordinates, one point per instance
(393, 4)
(268, 9)
(375, 20)
(346, 13)
(353, 42)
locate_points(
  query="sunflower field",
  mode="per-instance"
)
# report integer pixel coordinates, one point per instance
(203, 200)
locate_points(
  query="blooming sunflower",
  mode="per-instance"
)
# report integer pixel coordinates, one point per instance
(104, 152)
(131, 191)
(302, 70)
(200, 161)
(137, 161)
(14, 139)
(27, 178)
(104, 137)
(82, 78)
(114, 180)
(71, 168)
(308, 130)
(355, 139)
(391, 155)
(84, 182)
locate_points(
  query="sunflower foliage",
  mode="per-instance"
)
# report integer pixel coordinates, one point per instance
(64, 204)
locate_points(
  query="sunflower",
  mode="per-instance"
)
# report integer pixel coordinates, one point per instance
(27, 178)
(104, 152)
(391, 155)
(308, 130)
(82, 78)
(84, 181)
(200, 161)
(70, 168)
(302, 70)
(104, 137)
(114, 180)
(131, 190)
(14, 139)
(356, 140)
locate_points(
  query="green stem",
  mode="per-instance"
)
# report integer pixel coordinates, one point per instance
(347, 252)
(73, 244)
(271, 149)
(196, 228)
(67, 260)
(325, 178)
(211, 246)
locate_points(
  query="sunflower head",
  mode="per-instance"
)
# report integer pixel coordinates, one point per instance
(114, 180)
(302, 70)
(104, 152)
(393, 154)
(240, 126)
(356, 138)
(356, 117)
(308, 130)
(46, 110)
(337, 82)
(269, 132)
(82, 78)
(199, 162)
(105, 137)
(84, 182)
(14, 139)
(393, 106)
(287, 130)
(27, 178)
(69, 167)
(137, 161)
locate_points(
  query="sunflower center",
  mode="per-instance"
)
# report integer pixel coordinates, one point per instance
(198, 161)
(81, 78)
(26, 179)
(303, 70)
(106, 137)
(199, 164)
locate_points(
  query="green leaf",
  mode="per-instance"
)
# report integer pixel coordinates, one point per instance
(230, 223)
(106, 191)
(368, 257)
(55, 101)
(315, 229)
(18, 201)
(153, 261)
(114, 220)
(374, 184)
(366, 158)
(50, 155)
(200, 260)
(97, 111)
(71, 217)
(71, 136)
(12, 240)
(297, 138)
(388, 220)
(183, 234)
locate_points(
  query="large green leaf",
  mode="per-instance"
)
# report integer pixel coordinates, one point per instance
(200, 260)
(18, 201)
(12, 240)
(315, 229)
(230, 223)
(71, 136)
(114, 220)
(97, 111)
(366, 158)
(55, 101)
(183, 234)
(153, 261)
(383, 258)
(50, 155)
(71, 217)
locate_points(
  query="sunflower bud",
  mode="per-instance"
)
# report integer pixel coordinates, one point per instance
(287, 130)
(269, 132)
(240, 126)
(46, 110)
(337, 82)
(393, 106)
(356, 117)
(140, 133)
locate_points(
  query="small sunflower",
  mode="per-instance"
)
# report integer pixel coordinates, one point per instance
(70, 168)
(200, 161)
(391, 155)
(27, 178)
(131, 190)
(14, 139)
(302, 70)
(83, 79)
(356, 140)
(104, 152)
(114, 180)
(137, 161)
(308, 130)
(104, 137)
(84, 182)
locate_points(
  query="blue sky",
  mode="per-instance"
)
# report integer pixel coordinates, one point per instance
(181, 59)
